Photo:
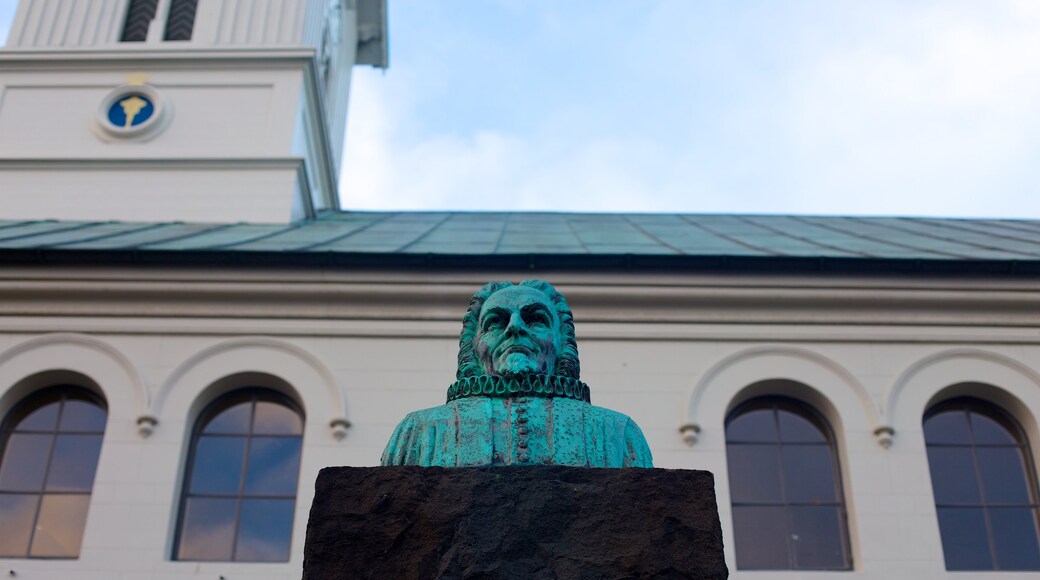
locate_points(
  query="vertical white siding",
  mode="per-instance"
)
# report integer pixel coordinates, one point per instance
(88, 23)
(67, 23)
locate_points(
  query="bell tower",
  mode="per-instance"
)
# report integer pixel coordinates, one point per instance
(180, 110)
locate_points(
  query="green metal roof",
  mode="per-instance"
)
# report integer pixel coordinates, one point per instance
(490, 234)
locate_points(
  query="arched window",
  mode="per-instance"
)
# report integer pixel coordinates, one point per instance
(785, 487)
(239, 490)
(985, 488)
(50, 443)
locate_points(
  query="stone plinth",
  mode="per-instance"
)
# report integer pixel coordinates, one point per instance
(513, 522)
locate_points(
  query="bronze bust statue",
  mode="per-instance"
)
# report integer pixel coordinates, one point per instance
(518, 398)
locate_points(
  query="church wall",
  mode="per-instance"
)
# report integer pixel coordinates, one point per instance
(370, 347)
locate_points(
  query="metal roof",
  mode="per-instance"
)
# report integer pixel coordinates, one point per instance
(489, 234)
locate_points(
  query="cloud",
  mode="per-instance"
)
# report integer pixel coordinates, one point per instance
(814, 107)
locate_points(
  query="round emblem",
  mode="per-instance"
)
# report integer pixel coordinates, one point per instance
(132, 112)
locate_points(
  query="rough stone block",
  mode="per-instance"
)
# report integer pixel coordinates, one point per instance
(536, 522)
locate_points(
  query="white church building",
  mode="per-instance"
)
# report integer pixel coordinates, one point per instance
(191, 327)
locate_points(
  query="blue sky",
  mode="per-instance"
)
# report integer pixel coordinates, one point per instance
(911, 107)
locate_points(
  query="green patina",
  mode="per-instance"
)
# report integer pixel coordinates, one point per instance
(518, 398)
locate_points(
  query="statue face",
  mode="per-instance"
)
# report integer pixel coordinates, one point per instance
(518, 332)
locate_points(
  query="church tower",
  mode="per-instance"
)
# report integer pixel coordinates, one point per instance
(180, 110)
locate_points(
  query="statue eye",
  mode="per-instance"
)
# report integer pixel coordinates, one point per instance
(537, 319)
(491, 322)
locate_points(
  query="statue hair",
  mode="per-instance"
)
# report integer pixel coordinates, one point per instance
(566, 360)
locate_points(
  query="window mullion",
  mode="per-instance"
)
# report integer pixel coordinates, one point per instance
(982, 491)
(46, 475)
(242, 479)
(783, 487)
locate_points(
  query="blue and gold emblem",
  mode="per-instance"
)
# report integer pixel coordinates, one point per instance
(131, 110)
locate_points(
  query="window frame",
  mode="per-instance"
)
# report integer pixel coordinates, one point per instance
(211, 411)
(8, 426)
(968, 405)
(775, 404)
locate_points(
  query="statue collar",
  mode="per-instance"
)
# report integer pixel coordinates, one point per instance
(523, 385)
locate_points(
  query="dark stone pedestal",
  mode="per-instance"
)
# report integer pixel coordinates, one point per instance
(513, 522)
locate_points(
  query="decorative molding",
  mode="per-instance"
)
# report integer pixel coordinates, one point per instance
(605, 313)
(336, 402)
(813, 358)
(338, 428)
(884, 436)
(146, 425)
(136, 382)
(689, 433)
(896, 392)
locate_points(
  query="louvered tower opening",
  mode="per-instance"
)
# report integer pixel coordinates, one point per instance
(139, 15)
(181, 20)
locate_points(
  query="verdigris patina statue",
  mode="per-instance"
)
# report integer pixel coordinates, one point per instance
(517, 398)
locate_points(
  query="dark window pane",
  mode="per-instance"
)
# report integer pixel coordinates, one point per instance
(953, 475)
(1003, 475)
(754, 473)
(59, 529)
(947, 427)
(233, 420)
(818, 539)
(808, 473)
(16, 512)
(796, 428)
(208, 529)
(752, 426)
(74, 463)
(43, 418)
(1015, 538)
(987, 430)
(82, 416)
(25, 462)
(265, 530)
(964, 539)
(274, 466)
(760, 534)
(276, 419)
(218, 465)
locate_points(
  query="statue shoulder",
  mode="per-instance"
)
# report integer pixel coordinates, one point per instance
(636, 452)
(607, 415)
(427, 437)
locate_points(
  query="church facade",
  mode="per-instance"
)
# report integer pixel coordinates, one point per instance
(189, 333)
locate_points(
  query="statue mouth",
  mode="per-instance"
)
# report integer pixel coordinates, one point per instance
(515, 349)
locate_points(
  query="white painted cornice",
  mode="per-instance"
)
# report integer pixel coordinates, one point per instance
(333, 303)
(125, 54)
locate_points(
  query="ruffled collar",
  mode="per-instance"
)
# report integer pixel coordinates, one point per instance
(522, 385)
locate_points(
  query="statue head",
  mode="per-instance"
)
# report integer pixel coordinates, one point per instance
(516, 329)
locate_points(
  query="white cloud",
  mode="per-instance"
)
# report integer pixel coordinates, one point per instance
(922, 108)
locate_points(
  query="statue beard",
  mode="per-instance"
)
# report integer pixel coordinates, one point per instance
(518, 363)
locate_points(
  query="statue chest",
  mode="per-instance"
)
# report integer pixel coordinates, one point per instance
(527, 430)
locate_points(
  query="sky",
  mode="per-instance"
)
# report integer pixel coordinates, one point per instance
(909, 107)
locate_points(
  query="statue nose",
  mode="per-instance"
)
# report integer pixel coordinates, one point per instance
(516, 324)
